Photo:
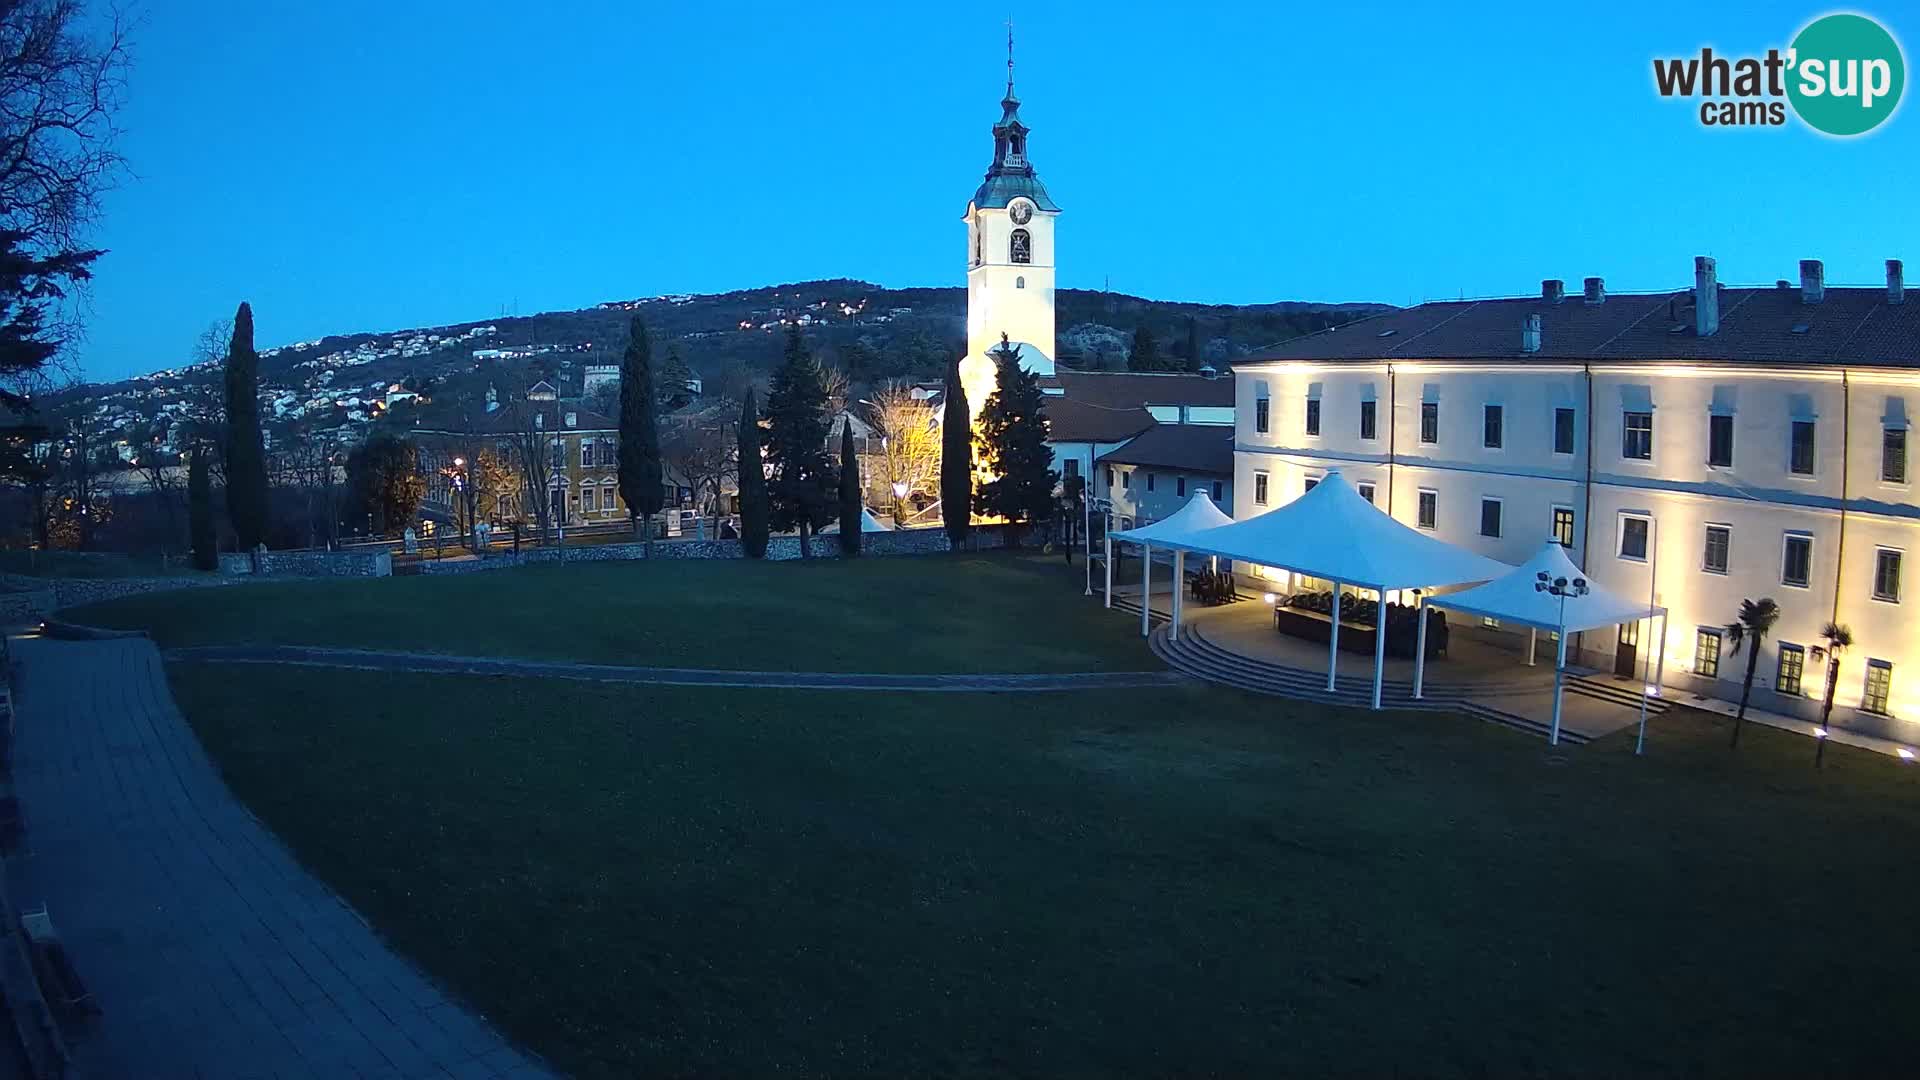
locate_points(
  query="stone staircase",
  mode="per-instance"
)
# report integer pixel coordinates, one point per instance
(1193, 654)
(1615, 691)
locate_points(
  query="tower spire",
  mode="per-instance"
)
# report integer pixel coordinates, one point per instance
(1009, 57)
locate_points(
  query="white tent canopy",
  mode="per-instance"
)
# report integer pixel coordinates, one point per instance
(1332, 532)
(1197, 515)
(1521, 597)
(1514, 599)
(868, 524)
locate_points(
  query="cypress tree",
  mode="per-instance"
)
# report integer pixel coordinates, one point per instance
(753, 482)
(246, 455)
(200, 510)
(1193, 343)
(1013, 427)
(849, 493)
(1145, 355)
(640, 471)
(801, 493)
(956, 459)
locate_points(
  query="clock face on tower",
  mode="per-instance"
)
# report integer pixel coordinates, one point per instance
(1022, 211)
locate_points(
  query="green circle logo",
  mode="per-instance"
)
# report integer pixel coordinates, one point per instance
(1847, 74)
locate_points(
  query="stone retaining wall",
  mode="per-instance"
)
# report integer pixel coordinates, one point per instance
(70, 592)
(311, 563)
(779, 549)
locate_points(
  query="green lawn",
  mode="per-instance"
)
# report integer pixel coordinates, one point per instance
(986, 613)
(642, 881)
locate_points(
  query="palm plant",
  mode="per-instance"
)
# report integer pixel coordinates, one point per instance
(1838, 638)
(1755, 622)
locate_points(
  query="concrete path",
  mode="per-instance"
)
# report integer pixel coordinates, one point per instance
(210, 951)
(372, 660)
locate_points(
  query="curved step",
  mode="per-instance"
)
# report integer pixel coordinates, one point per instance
(1201, 660)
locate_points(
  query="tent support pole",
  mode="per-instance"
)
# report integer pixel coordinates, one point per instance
(1532, 640)
(1146, 588)
(1333, 639)
(1660, 656)
(1420, 648)
(1379, 646)
(1179, 587)
(1559, 685)
(1108, 541)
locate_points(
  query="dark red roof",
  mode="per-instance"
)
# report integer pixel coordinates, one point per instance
(1757, 325)
(1111, 406)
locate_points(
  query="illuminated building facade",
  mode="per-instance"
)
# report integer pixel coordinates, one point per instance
(1712, 444)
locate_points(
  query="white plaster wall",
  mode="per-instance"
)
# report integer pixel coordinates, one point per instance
(995, 302)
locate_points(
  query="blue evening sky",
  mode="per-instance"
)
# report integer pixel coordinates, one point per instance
(357, 166)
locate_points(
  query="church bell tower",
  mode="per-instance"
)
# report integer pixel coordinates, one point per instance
(1009, 257)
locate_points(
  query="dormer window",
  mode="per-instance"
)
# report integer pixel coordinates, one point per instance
(1022, 248)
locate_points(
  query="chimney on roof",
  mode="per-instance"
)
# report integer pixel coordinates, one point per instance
(1530, 334)
(1896, 282)
(1813, 281)
(1553, 290)
(1596, 291)
(573, 419)
(1706, 297)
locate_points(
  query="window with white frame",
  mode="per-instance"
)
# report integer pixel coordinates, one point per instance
(1793, 662)
(1713, 559)
(588, 499)
(1796, 560)
(1633, 536)
(1369, 426)
(1259, 489)
(1490, 517)
(1879, 687)
(586, 453)
(1429, 422)
(1706, 653)
(607, 494)
(1313, 416)
(1429, 510)
(1126, 480)
(1886, 575)
(1563, 526)
(1800, 449)
(1261, 414)
(1366, 491)
(1893, 455)
(1636, 436)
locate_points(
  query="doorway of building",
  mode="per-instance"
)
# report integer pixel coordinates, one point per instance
(1626, 657)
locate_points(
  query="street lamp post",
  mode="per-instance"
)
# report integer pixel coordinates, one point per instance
(1562, 588)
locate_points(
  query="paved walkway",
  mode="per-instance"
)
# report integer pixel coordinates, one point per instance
(211, 952)
(373, 660)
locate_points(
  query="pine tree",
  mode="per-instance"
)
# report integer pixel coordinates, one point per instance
(956, 459)
(670, 389)
(640, 472)
(1013, 429)
(246, 454)
(200, 510)
(753, 482)
(850, 517)
(1146, 351)
(801, 494)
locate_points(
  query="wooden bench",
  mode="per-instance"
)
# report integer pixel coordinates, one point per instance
(60, 983)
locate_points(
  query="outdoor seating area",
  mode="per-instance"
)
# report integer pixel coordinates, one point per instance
(1214, 587)
(1309, 616)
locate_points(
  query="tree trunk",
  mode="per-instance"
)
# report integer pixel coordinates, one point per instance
(805, 551)
(1746, 690)
(1826, 713)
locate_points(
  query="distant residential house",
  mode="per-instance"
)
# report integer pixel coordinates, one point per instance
(1092, 413)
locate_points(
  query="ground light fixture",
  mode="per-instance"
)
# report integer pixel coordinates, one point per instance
(1905, 754)
(1544, 582)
